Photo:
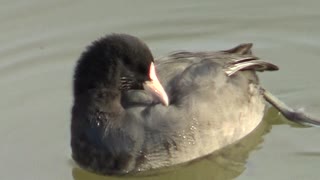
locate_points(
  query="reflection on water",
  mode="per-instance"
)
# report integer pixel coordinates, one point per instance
(225, 164)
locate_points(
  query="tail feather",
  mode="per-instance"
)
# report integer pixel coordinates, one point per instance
(249, 64)
(244, 49)
(247, 61)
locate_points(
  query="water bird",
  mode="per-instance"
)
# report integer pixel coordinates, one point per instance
(133, 113)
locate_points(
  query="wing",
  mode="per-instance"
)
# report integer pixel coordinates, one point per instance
(209, 108)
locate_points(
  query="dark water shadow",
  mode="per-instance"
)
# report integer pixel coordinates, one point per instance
(226, 163)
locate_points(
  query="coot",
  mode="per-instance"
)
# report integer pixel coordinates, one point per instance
(125, 121)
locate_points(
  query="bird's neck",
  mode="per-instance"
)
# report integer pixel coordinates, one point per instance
(105, 99)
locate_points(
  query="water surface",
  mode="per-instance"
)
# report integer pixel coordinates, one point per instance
(41, 40)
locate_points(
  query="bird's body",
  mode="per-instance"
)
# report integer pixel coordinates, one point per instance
(214, 100)
(208, 109)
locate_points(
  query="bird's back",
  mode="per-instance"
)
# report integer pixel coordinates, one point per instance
(209, 109)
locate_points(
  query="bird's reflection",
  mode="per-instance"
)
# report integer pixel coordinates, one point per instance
(226, 163)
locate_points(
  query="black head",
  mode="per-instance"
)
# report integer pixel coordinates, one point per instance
(114, 61)
(117, 62)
